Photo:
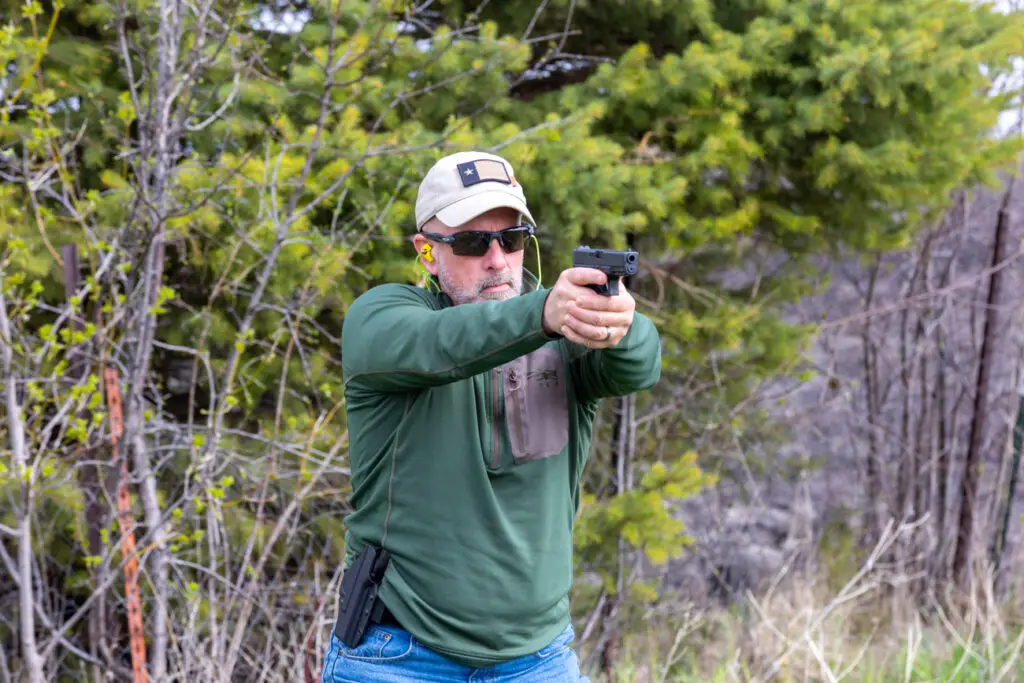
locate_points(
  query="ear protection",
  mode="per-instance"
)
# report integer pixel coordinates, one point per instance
(426, 281)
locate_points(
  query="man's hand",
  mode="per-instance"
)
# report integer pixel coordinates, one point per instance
(583, 316)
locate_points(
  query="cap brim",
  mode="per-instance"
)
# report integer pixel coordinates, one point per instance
(469, 208)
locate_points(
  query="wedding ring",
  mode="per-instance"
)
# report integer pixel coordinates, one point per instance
(607, 334)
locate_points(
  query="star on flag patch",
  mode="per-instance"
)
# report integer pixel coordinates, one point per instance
(483, 170)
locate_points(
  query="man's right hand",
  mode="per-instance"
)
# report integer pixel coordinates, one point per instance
(570, 301)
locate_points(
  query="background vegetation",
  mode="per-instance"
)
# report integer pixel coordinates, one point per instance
(192, 193)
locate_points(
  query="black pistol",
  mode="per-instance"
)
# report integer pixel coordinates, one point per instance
(614, 264)
(357, 595)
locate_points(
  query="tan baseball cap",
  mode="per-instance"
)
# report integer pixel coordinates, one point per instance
(461, 186)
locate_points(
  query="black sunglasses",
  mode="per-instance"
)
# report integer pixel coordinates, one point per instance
(477, 242)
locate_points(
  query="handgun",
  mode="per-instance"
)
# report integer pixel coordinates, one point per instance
(357, 595)
(614, 264)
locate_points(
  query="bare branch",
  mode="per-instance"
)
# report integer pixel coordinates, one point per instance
(16, 431)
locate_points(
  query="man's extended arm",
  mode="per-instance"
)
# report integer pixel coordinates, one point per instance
(393, 340)
(634, 364)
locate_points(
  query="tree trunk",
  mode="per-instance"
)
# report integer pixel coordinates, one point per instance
(940, 459)
(1002, 530)
(874, 490)
(622, 429)
(89, 476)
(159, 137)
(156, 525)
(964, 555)
(16, 431)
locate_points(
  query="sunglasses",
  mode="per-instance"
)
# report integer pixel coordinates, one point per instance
(477, 242)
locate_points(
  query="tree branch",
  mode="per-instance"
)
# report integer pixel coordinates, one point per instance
(16, 431)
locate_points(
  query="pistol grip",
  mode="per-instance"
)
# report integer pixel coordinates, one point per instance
(609, 289)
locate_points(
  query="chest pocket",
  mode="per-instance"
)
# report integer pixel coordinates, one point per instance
(536, 407)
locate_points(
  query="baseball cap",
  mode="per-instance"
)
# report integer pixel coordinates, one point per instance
(461, 186)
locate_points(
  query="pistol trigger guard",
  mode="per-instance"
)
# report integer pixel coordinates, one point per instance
(609, 289)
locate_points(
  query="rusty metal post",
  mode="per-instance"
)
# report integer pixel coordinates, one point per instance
(127, 525)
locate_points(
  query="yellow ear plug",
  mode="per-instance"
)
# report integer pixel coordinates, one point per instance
(426, 280)
(427, 255)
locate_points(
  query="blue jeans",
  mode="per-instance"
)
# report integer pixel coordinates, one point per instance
(389, 654)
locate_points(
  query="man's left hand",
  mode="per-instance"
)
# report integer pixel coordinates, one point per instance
(599, 322)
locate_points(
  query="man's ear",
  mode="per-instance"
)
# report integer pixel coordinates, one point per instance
(425, 249)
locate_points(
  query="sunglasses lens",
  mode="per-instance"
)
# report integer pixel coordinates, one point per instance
(513, 240)
(471, 243)
(476, 243)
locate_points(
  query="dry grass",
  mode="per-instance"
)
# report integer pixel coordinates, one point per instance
(872, 629)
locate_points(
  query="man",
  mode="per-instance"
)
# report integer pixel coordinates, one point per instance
(470, 406)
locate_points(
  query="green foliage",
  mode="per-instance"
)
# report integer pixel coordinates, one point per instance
(973, 663)
(640, 516)
(637, 519)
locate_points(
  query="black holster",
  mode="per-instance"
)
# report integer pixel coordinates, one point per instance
(357, 595)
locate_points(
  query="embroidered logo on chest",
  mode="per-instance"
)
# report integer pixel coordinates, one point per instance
(544, 376)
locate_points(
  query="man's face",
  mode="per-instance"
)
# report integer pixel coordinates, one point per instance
(467, 279)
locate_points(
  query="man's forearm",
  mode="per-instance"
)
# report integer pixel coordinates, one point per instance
(393, 341)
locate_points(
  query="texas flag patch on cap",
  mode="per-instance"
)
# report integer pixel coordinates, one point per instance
(483, 170)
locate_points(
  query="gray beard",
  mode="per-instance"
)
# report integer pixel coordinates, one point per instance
(476, 294)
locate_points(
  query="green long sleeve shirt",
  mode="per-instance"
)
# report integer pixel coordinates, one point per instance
(468, 429)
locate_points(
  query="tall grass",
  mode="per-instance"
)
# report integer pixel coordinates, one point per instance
(879, 627)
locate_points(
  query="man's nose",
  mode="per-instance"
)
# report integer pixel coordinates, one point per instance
(495, 257)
